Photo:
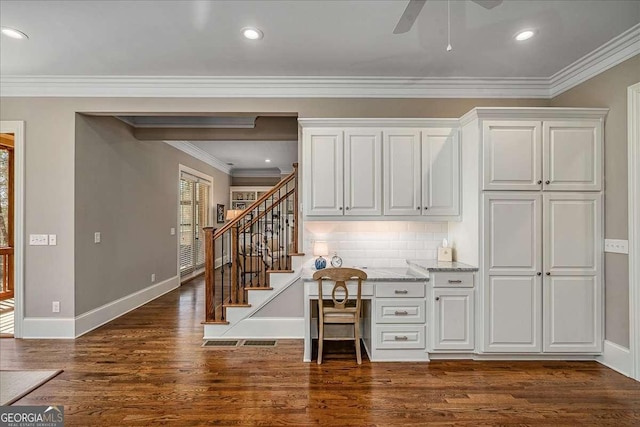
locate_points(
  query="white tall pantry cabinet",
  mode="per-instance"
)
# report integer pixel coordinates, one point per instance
(536, 203)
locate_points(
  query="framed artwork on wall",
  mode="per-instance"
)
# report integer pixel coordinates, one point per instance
(219, 213)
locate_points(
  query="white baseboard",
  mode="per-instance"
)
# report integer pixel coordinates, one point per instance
(617, 358)
(106, 313)
(265, 327)
(48, 328)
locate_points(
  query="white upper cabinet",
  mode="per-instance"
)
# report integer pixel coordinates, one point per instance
(511, 155)
(550, 155)
(362, 172)
(323, 172)
(572, 155)
(402, 169)
(440, 172)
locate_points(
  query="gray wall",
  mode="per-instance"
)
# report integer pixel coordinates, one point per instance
(609, 89)
(128, 190)
(50, 163)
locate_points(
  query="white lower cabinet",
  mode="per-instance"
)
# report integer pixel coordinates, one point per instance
(397, 316)
(453, 319)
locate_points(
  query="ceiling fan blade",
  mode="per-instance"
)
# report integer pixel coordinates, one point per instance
(488, 4)
(409, 16)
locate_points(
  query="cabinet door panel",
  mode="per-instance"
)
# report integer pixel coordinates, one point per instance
(402, 172)
(513, 314)
(572, 314)
(440, 172)
(323, 172)
(572, 155)
(512, 234)
(572, 233)
(453, 319)
(512, 155)
(363, 173)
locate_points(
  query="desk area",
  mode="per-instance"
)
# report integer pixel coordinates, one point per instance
(398, 310)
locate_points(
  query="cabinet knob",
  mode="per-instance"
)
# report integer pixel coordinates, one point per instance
(347, 208)
(548, 274)
(540, 182)
(340, 208)
(418, 207)
(437, 298)
(426, 207)
(539, 273)
(547, 182)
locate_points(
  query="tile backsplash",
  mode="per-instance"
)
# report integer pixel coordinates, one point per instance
(377, 243)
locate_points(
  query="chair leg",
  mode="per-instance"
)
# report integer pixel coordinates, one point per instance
(320, 339)
(356, 328)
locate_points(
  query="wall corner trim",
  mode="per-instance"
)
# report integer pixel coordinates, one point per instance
(99, 316)
(616, 357)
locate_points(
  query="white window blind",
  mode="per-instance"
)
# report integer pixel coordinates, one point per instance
(194, 215)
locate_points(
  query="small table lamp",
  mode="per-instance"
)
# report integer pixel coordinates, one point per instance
(232, 214)
(320, 249)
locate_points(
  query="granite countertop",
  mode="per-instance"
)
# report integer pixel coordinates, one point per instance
(381, 274)
(440, 266)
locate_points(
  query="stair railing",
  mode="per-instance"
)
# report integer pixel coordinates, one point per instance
(240, 255)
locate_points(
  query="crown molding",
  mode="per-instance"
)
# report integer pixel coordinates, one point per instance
(615, 51)
(199, 154)
(271, 87)
(540, 113)
(257, 173)
(610, 54)
(374, 122)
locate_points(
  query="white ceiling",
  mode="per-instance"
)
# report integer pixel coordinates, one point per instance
(303, 38)
(248, 157)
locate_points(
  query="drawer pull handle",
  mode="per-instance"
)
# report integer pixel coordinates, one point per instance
(403, 291)
(455, 281)
(402, 313)
(401, 338)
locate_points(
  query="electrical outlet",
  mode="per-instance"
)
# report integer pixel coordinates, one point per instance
(55, 306)
(173, 231)
(153, 277)
(38, 239)
(616, 246)
(97, 237)
(53, 239)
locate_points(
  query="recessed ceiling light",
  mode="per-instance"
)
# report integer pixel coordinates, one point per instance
(13, 33)
(267, 160)
(252, 33)
(524, 35)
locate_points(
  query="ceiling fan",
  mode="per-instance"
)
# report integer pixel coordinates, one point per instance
(415, 6)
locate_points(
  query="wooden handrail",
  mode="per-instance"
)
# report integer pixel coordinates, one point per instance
(265, 212)
(264, 197)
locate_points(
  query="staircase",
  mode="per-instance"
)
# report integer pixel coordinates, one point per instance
(250, 260)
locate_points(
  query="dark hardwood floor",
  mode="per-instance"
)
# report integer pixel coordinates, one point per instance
(148, 368)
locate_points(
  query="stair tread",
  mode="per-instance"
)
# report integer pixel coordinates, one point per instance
(218, 322)
(258, 289)
(279, 271)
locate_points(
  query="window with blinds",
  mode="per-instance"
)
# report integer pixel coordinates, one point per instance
(194, 215)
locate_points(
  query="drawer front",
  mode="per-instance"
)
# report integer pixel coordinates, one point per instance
(397, 310)
(453, 280)
(400, 337)
(400, 290)
(352, 287)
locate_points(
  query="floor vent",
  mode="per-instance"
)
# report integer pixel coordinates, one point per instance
(260, 343)
(228, 343)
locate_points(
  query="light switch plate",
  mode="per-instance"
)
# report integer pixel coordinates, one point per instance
(38, 239)
(97, 237)
(173, 231)
(616, 246)
(53, 239)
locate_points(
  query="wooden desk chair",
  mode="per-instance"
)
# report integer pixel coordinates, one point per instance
(339, 310)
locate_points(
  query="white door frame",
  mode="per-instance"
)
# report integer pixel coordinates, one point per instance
(633, 146)
(17, 129)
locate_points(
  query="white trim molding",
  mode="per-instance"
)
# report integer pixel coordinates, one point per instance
(615, 51)
(265, 327)
(17, 129)
(633, 147)
(104, 314)
(617, 358)
(193, 151)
